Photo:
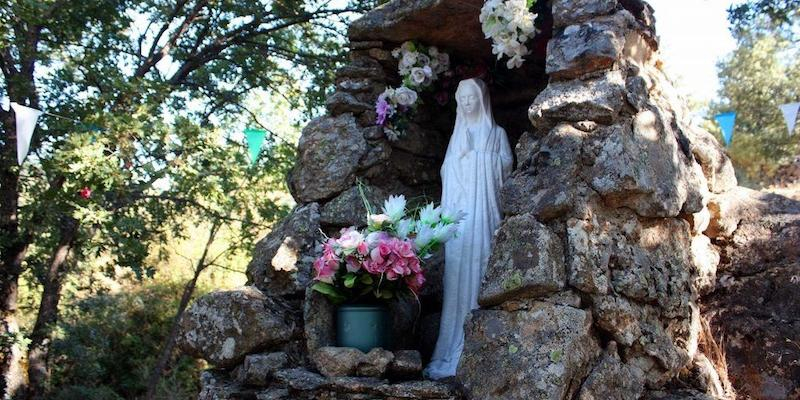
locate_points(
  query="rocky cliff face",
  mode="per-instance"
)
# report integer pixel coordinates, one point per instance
(618, 220)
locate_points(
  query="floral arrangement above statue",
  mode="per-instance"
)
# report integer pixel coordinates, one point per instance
(509, 24)
(419, 67)
(386, 257)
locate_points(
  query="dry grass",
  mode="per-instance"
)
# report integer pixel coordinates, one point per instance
(715, 351)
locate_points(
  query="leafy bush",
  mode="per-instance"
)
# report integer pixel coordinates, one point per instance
(105, 346)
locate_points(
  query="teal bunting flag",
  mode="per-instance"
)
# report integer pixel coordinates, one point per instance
(255, 138)
(726, 122)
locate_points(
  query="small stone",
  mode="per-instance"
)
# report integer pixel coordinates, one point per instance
(300, 379)
(375, 362)
(589, 47)
(568, 12)
(337, 361)
(342, 102)
(586, 126)
(347, 209)
(598, 99)
(258, 369)
(373, 132)
(407, 364)
(418, 390)
(273, 394)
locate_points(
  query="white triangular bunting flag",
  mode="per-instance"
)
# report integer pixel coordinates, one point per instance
(790, 115)
(26, 122)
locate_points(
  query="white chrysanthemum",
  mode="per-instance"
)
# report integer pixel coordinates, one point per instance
(425, 235)
(444, 232)
(404, 227)
(452, 216)
(395, 208)
(429, 215)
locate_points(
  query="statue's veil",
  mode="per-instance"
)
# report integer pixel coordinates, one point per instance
(459, 140)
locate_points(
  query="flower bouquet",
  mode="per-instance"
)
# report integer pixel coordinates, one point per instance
(384, 259)
(419, 67)
(381, 262)
(509, 24)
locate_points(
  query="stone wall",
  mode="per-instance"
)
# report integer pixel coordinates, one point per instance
(613, 227)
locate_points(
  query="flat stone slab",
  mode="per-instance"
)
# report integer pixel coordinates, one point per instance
(301, 384)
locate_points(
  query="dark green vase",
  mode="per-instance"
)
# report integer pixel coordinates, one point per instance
(362, 326)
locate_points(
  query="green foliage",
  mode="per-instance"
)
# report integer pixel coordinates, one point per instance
(761, 74)
(765, 16)
(106, 343)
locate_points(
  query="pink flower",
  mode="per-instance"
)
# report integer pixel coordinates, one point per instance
(353, 264)
(85, 192)
(363, 248)
(326, 269)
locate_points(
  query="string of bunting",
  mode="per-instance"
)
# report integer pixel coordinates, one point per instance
(727, 121)
(27, 119)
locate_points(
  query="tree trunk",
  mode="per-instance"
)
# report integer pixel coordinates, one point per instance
(38, 368)
(188, 291)
(12, 251)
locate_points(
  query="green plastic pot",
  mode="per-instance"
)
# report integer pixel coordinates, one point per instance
(362, 326)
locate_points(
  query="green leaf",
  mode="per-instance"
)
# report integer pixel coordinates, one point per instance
(329, 290)
(350, 280)
(531, 3)
(366, 279)
(555, 355)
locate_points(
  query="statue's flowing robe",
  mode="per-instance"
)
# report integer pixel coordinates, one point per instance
(477, 163)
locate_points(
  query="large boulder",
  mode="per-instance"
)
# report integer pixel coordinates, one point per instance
(527, 261)
(328, 155)
(282, 261)
(223, 327)
(753, 312)
(543, 352)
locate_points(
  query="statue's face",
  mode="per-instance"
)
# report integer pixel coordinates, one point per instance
(468, 100)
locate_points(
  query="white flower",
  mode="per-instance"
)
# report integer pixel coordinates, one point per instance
(424, 236)
(452, 216)
(395, 208)
(405, 96)
(404, 227)
(396, 53)
(423, 60)
(387, 95)
(444, 232)
(409, 58)
(430, 215)
(350, 240)
(417, 75)
(509, 24)
(378, 219)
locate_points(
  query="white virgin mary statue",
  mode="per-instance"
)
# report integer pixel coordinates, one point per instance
(477, 162)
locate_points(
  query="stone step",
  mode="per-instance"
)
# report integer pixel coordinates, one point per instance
(302, 384)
